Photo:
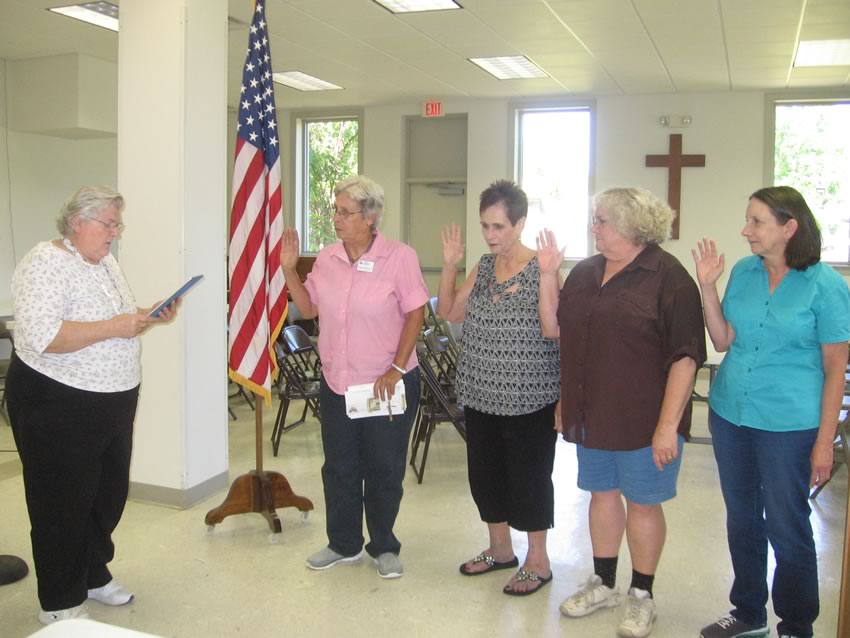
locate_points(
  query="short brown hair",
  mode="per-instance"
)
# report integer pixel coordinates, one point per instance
(507, 193)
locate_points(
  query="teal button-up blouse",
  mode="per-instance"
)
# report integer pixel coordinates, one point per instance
(772, 376)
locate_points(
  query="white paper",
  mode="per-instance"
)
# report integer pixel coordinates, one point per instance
(360, 401)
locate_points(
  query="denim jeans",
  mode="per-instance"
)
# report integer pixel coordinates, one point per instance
(365, 461)
(764, 477)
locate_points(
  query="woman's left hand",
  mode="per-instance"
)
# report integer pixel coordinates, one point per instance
(549, 256)
(166, 314)
(559, 423)
(385, 385)
(665, 448)
(822, 457)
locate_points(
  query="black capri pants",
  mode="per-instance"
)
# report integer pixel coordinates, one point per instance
(75, 448)
(510, 461)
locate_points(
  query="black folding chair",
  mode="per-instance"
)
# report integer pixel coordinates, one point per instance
(300, 368)
(435, 407)
(441, 328)
(295, 318)
(442, 359)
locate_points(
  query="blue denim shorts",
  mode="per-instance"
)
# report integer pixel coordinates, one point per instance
(632, 472)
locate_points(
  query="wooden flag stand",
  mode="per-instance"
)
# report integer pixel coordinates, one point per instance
(259, 491)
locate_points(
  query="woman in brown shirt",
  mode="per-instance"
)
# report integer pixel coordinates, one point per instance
(632, 337)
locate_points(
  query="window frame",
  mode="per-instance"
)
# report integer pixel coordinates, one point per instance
(515, 146)
(809, 97)
(300, 163)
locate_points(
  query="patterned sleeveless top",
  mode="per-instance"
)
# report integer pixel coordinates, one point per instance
(506, 366)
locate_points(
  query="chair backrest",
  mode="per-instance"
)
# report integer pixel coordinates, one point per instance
(433, 342)
(432, 306)
(432, 381)
(296, 339)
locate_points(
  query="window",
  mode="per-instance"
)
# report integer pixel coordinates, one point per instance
(553, 153)
(329, 152)
(812, 154)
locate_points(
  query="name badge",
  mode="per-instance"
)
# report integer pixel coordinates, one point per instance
(365, 266)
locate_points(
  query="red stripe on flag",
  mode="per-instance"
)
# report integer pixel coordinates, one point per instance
(257, 293)
(256, 315)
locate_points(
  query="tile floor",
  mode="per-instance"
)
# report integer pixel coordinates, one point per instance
(234, 582)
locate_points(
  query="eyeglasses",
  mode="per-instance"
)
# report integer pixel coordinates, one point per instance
(111, 226)
(597, 221)
(344, 214)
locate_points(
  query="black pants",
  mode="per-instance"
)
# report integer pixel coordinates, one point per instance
(365, 460)
(510, 461)
(75, 449)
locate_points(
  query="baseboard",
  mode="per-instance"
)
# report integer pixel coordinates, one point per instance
(180, 499)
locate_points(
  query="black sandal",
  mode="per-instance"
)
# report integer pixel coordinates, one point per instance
(492, 565)
(534, 577)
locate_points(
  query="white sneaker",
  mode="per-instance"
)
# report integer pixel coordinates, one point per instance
(50, 617)
(593, 595)
(639, 616)
(112, 593)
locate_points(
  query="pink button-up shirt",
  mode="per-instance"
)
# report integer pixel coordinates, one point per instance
(362, 307)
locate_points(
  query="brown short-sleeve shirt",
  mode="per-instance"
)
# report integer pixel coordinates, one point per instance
(618, 342)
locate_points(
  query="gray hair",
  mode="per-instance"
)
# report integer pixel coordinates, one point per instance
(637, 214)
(87, 202)
(368, 194)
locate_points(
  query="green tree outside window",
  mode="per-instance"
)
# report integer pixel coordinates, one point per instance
(812, 154)
(332, 147)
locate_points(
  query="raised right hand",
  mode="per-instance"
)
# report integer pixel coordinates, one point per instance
(131, 325)
(549, 256)
(289, 249)
(452, 245)
(709, 264)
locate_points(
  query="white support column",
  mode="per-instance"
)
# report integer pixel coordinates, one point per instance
(172, 127)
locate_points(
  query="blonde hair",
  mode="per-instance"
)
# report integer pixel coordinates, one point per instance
(637, 214)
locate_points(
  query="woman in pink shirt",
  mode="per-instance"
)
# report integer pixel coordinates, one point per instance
(370, 295)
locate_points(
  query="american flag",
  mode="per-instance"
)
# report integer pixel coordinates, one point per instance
(257, 289)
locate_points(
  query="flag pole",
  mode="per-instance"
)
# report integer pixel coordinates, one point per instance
(258, 430)
(257, 297)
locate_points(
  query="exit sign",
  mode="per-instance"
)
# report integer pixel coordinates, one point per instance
(433, 109)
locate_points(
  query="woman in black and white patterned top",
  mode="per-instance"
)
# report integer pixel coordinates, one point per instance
(508, 381)
(71, 391)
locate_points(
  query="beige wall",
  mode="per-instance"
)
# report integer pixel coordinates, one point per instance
(727, 127)
(37, 174)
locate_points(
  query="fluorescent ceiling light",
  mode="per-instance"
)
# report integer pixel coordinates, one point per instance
(409, 6)
(510, 67)
(303, 82)
(103, 14)
(823, 53)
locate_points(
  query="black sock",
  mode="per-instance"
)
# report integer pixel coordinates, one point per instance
(642, 581)
(606, 569)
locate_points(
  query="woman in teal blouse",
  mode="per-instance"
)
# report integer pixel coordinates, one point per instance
(784, 324)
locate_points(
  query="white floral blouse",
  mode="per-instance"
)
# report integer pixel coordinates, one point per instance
(52, 285)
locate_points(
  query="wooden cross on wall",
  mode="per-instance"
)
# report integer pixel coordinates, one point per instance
(675, 161)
